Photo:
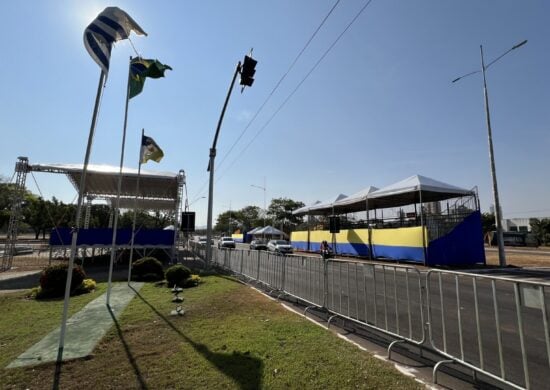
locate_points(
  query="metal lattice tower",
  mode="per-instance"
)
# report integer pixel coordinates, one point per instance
(21, 169)
(89, 200)
(177, 217)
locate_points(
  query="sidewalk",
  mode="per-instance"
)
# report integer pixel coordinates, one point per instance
(84, 329)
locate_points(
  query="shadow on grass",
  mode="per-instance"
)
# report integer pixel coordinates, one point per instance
(242, 368)
(131, 359)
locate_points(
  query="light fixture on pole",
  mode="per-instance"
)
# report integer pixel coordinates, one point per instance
(498, 210)
(247, 72)
(196, 200)
(264, 188)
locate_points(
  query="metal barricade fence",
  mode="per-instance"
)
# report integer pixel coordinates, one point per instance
(249, 266)
(482, 321)
(387, 298)
(304, 278)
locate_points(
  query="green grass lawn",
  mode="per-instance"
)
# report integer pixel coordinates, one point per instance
(230, 337)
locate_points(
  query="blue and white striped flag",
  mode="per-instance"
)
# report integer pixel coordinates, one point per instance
(112, 25)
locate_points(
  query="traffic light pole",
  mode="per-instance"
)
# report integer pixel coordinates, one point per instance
(211, 170)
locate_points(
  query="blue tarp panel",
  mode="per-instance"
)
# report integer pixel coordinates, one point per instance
(462, 246)
(104, 236)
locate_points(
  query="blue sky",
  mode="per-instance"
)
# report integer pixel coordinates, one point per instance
(378, 108)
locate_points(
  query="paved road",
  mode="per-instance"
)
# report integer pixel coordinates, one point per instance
(388, 298)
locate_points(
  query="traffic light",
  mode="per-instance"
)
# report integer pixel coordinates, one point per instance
(247, 71)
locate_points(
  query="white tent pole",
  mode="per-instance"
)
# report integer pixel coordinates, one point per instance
(135, 210)
(77, 221)
(119, 188)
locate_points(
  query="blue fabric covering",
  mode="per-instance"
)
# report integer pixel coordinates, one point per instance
(104, 236)
(462, 246)
(360, 249)
(408, 253)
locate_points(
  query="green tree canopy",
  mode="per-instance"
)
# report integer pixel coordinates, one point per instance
(280, 212)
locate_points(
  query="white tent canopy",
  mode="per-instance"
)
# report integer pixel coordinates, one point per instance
(157, 190)
(326, 206)
(354, 203)
(269, 231)
(412, 190)
(305, 209)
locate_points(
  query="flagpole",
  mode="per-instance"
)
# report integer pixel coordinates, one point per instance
(99, 93)
(135, 210)
(119, 187)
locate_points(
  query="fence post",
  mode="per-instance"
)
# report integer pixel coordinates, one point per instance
(325, 284)
(258, 270)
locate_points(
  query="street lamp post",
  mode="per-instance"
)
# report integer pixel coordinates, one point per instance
(264, 188)
(498, 215)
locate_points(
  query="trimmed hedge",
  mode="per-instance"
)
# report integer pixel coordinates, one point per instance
(177, 275)
(147, 269)
(54, 278)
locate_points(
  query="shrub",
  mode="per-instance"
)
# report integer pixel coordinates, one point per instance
(177, 275)
(54, 278)
(147, 269)
(193, 281)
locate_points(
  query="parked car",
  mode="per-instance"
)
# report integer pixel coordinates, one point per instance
(279, 246)
(203, 240)
(259, 245)
(226, 242)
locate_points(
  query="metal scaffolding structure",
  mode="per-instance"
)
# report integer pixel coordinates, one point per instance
(21, 169)
(158, 191)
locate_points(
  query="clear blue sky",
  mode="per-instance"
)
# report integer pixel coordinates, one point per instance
(378, 108)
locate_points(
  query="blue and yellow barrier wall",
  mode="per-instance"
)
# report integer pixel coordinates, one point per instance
(400, 243)
(237, 237)
(462, 246)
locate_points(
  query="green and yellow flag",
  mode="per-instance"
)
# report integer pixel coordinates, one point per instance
(141, 68)
(150, 150)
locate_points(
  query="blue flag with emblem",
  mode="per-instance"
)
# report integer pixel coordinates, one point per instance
(111, 25)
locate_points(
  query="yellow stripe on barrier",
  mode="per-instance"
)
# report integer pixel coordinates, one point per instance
(411, 236)
(408, 237)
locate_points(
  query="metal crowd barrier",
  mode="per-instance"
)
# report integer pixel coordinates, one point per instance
(506, 314)
(387, 298)
(479, 321)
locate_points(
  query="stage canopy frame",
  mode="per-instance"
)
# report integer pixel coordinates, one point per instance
(159, 191)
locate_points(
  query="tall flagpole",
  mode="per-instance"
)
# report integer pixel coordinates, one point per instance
(119, 188)
(99, 93)
(135, 210)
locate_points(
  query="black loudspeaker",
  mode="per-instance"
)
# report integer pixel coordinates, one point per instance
(188, 221)
(334, 224)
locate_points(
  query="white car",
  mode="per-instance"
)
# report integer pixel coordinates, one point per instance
(279, 246)
(226, 242)
(203, 241)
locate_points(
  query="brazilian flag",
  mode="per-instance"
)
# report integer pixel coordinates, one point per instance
(140, 69)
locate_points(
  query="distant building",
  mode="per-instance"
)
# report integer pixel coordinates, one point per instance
(518, 224)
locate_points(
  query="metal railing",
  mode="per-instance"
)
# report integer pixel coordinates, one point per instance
(387, 298)
(369, 294)
(507, 315)
(493, 325)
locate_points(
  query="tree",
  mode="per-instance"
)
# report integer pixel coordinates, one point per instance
(488, 223)
(280, 211)
(250, 216)
(36, 215)
(228, 222)
(541, 229)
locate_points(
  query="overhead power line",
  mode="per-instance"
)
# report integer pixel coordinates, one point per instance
(296, 88)
(202, 188)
